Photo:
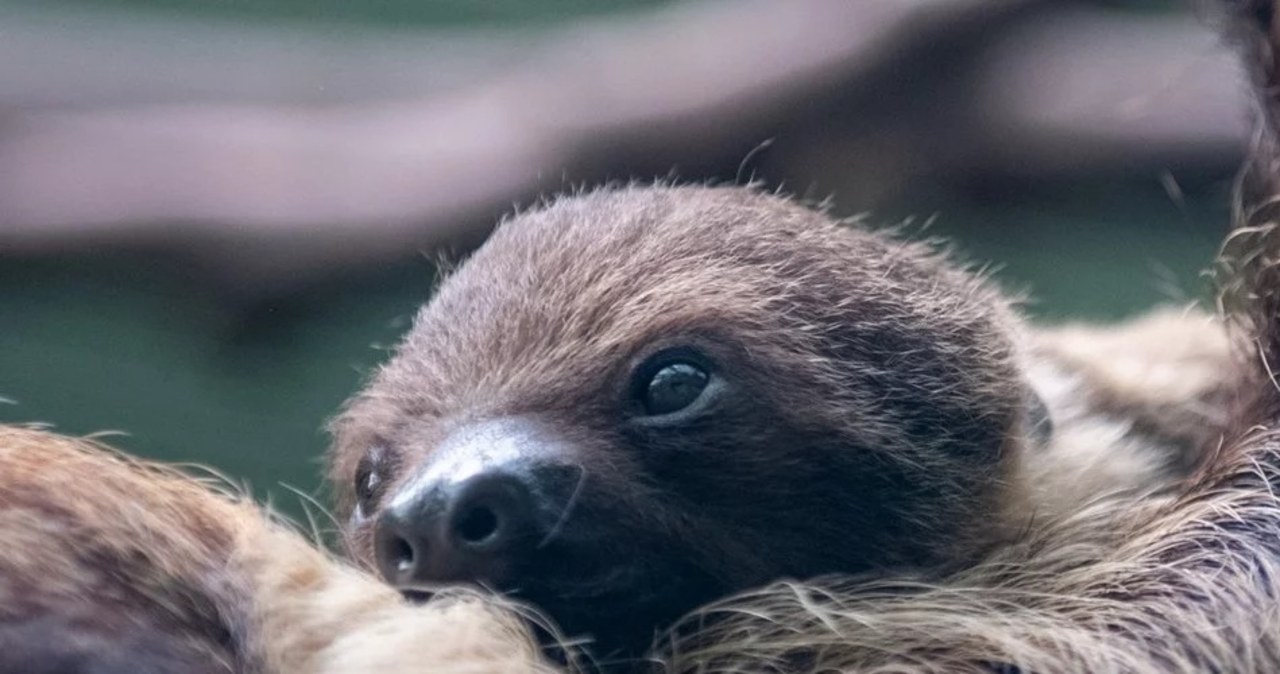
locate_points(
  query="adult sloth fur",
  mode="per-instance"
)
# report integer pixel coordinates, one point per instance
(1186, 581)
(1088, 553)
(847, 404)
(108, 565)
(113, 566)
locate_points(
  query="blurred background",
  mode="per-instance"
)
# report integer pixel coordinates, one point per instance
(216, 215)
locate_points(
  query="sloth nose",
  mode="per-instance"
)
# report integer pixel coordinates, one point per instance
(468, 531)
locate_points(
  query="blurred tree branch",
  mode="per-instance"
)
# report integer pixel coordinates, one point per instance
(280, 156)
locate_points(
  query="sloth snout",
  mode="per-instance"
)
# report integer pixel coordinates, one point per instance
(474, 530)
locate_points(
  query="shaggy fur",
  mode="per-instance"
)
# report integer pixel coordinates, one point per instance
(886, 438)
(1185, 581)
(874, 404)
(879, 422)
(111, 566)
(1141, 533)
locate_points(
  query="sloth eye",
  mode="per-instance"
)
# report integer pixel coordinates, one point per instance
(368, 482)
(673, 387)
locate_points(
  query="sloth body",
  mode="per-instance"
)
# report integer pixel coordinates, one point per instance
(848, 404)
(852, 449)
(112, 565)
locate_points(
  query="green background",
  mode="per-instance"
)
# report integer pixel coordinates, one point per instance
(134, 342)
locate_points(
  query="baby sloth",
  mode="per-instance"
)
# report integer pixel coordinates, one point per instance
(632, 402)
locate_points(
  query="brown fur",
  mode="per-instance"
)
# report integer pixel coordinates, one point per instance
(111, 565)
(875, 418)
(545, 320)
(1021, 552)
(1143, 536)
(123, 566)
(1185, 581)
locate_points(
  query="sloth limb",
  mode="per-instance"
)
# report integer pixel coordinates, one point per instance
(114, 566)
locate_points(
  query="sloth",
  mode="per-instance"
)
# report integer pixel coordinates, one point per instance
(110, 565)
(782, 443)
(114, 565)
(631, 402)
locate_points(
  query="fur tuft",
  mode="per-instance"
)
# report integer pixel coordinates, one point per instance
(111, 564)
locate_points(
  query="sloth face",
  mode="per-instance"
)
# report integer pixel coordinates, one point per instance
(633, 403)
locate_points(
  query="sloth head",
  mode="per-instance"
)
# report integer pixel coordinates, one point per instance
(632, 402)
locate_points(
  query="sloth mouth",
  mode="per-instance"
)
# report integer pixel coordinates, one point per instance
(418, 596)
(616, 613)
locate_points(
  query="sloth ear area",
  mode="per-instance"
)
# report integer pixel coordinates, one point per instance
(49, 644)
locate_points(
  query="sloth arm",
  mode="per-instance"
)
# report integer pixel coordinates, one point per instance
(112, 565)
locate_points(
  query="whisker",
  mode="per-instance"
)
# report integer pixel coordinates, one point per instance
(568, 507)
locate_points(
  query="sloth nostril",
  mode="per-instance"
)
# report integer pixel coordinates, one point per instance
(403, 555)
(477, 525)
(397, 556)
